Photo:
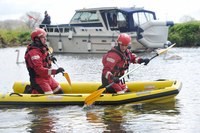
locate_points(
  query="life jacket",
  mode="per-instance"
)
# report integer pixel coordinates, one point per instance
(44, 50)
(119, 70)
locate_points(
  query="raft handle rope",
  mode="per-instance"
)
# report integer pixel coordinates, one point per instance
(16, 94)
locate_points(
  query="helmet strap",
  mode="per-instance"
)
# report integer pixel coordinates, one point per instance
(118, 47)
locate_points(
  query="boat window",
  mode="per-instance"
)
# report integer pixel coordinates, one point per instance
(85, 16)
(120, 17)
(117, 20)
(59, 30)
(76, 16)
(66, 30)
(47, 29)
(93, 17)
(121, 20)
(50, 30)
(56, 30)
(142, 17)
(112, 19)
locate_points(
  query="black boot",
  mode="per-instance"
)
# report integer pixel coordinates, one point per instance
(59, 92)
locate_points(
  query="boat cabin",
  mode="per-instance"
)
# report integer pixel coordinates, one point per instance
(124, 19)
(95, 30)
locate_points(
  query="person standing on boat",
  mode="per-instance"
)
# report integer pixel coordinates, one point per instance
(115, 62)
(47, 19)
(38, 63)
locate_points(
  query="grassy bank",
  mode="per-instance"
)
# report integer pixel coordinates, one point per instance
(16, 37)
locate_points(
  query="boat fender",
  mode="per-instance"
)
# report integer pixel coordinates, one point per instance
(70, 35)
(167, 44)
(89, 44)
(60, 45)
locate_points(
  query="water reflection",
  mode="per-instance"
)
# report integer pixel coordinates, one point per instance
(109, 117)
(41, 121)
(131, 118)
(113, 119)
(162, 109)
(152, 118)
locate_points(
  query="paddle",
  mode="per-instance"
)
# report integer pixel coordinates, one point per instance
(93, 96)
(50, 50)
(89, 100)
(161, 51)
(65, 74)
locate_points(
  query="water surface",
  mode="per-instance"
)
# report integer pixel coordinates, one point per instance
(181, 115)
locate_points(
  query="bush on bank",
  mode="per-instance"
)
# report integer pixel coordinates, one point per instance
(185, 34)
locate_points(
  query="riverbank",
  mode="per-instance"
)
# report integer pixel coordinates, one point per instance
(14, 37)
(183, 34)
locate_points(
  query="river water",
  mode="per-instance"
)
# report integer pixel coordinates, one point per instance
(181, 115)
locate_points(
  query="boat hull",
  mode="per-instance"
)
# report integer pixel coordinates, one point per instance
(154, 92)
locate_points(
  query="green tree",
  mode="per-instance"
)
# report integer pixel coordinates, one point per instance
(185, 34)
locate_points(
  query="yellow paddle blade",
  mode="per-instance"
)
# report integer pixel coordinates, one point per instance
(165, 50)
(50, 50)
(66, 75)
(89, 100)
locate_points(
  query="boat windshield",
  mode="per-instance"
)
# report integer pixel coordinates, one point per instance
(85, 16)
(142, 17)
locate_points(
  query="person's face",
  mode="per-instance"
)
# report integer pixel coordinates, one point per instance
(123, 48)
(43, 39)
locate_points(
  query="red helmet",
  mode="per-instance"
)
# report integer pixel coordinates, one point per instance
(124, 39)
(38, 32)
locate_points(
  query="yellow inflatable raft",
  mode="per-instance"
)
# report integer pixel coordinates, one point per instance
(141, 92)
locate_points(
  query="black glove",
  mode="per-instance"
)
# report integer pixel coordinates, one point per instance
(146, 61)
(60, 70)
(53, 59)
(116, 79)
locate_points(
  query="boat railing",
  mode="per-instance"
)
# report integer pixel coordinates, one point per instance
(67, 28)
(57, 28)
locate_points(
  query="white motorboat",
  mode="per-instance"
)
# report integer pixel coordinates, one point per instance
(95, 30)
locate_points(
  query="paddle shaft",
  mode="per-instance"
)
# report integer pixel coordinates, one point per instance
(162, 51)
(137, 67)
(56, 64)
(153, 57)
